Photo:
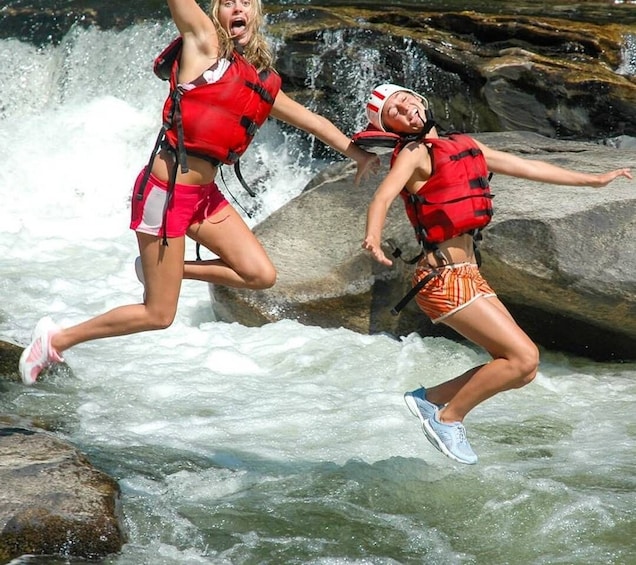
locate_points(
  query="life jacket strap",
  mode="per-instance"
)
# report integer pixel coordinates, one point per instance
(414, 290)
(397, 253)
(250, 127)
(239, 176)
(171, 184)
(479, 182)
(177, 117)
(471, 152)
(144, 181)
(479, 213)
(260, 90)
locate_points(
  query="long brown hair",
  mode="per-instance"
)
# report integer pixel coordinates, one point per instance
(256, 51)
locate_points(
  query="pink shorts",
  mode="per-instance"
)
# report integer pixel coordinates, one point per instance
(190, 204)
(454, 288)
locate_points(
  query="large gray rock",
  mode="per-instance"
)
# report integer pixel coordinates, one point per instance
(562, 258)
(52, 500)
(562, 73)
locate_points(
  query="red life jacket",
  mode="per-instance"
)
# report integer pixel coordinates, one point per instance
(456, 199)
(216, 121)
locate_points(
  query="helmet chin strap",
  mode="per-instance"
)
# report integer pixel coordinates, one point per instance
(429, 124)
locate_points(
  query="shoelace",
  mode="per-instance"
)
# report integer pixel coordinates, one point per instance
(461, 433)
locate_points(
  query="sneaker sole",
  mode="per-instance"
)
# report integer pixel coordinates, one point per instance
(43, 325)
(412, 406)
(139, 271)
(439, 444)
(24, 376)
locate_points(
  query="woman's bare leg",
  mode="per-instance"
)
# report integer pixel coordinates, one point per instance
(163, 269)
(487, 323)
(242, 263)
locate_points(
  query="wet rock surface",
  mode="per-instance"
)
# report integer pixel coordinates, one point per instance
(53, 501)
(480, 71)
(561, 258)
(562, 71)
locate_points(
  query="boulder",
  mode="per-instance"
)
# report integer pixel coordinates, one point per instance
(563, 74)
(561, 258)
(52, 500)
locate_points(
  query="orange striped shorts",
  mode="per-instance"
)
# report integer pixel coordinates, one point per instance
(455, 287)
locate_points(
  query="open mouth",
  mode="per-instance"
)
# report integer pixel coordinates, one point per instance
(414, 116)
(238, 26)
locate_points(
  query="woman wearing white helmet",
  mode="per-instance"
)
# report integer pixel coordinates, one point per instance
(450, 288)
(421, 114)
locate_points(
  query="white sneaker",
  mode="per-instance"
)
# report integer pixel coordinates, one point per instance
(419, 406)
(39, 354)
(450, 439)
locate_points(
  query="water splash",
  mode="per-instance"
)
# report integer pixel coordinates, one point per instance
(628, 65)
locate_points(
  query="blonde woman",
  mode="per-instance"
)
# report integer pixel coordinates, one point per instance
(223, 87)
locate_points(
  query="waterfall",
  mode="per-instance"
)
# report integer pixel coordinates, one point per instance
(628, 65)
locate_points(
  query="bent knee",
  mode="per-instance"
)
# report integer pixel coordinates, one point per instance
(265, 278)
(160, 320)
(526, 363)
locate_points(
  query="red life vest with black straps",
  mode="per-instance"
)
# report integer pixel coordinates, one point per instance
(456, 199)
(216, 121)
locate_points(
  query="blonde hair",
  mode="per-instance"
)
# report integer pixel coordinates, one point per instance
(256, 51)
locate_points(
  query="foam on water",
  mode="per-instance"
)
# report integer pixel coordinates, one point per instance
(284, 443)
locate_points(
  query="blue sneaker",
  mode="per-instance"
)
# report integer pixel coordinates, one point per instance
(450, 439)
(419, 406)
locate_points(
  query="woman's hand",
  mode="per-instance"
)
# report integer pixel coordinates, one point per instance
(372, 245)
(606, 178)
(368, 164)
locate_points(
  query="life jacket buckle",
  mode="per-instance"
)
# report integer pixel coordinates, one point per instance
(479, 182)
(250, 127)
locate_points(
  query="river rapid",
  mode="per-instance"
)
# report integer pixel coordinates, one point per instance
(284, 443)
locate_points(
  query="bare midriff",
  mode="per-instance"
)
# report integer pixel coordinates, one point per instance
(457, 250)
(200, 171)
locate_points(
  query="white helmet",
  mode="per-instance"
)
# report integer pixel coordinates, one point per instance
(379, 96)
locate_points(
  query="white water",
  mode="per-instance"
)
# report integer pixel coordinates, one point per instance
(280, 444)
(628, 64)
